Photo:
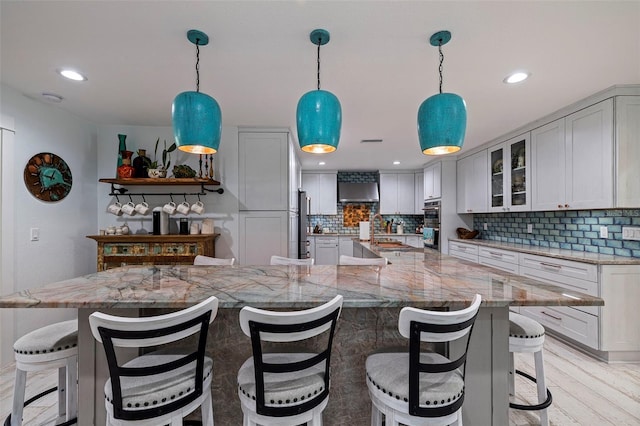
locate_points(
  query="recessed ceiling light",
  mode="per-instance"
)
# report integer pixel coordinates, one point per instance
(517, 77)
(396, 163)
(71, 74)
(322, 163)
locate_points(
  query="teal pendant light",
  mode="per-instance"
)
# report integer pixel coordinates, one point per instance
(319, 115)
(197, 120)
(442, 118)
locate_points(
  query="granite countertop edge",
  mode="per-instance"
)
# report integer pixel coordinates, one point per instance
(574, 255)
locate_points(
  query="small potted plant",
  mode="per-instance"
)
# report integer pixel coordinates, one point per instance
(160, 171)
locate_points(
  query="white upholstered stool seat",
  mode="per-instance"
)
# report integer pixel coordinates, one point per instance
(527, 336)
(201, 260)
(52, 346)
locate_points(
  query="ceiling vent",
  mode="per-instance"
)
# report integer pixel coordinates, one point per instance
(371, 141)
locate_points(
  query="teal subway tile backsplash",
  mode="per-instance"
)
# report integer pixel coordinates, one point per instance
(572, 230)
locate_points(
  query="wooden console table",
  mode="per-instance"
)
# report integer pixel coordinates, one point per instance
(120, 250)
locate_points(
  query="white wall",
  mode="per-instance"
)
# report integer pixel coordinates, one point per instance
(223, 208)
(63, 251)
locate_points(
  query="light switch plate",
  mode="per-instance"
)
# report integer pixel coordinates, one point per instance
(604, 232)
(529, 228)
(485, 226)
(35, 234)
(630, 233)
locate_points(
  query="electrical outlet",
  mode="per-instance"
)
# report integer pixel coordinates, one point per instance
(604, 232)
(630, 233)
(485, 226)
(529, 228)
(35, 234)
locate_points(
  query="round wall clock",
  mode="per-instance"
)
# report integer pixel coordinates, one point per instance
(47, 177)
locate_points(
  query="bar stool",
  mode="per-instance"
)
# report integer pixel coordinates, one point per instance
(527, 335)
(420, 388)
(163, 386)
(52, 346)
(287, 388)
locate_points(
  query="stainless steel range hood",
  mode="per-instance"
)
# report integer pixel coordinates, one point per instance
(358, 192)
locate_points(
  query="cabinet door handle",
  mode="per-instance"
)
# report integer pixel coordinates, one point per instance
(559, 206)
(552, 316)
(551, 265)
(566, 205)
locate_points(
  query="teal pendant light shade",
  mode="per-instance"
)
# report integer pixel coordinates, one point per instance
(197, 119)
(319, 118)
(442, 118)
(319, 114)
(197, 123)
(442, 122)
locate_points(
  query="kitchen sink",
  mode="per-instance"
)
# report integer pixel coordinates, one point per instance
(391, 246)
(385, 240)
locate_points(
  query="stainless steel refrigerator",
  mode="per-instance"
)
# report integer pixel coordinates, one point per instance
(304, 204)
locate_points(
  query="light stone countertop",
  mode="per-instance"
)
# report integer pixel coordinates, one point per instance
(580, 256)
(415, 278)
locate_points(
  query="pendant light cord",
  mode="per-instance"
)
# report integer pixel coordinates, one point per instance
(198, 65)
(319, 43)
(441, 61)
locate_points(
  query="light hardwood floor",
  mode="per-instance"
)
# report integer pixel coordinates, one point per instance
(585, 391)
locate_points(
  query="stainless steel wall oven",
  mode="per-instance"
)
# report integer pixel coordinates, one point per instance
(431, 228)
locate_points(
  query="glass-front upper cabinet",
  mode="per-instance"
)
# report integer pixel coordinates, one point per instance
(510, 175)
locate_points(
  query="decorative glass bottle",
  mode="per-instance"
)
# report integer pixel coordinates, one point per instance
(121, 148)
(141, 164)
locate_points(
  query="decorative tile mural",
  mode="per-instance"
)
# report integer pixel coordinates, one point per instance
(353, 214)
(572, 230)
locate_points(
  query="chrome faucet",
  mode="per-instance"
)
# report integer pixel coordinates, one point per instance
(378, 215)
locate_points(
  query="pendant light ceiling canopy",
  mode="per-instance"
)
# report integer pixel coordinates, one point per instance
(197, 120)
(442, 118)
(319, 115)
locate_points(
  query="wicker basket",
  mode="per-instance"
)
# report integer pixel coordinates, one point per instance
(466, 234)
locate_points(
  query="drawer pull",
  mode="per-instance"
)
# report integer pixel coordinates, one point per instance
(551, 265)
(552, 316)
(493, 253)
(462, 248)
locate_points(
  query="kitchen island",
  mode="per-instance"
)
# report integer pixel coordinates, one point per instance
(373, 297)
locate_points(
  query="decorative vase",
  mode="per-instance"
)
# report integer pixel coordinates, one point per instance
(157, 173)
(141, 164)
(122, 146)
(126, 170)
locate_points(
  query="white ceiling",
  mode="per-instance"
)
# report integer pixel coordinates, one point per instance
(379, 62)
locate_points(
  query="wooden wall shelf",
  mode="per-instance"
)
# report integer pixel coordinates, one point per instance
(161, 181)
(203, 183)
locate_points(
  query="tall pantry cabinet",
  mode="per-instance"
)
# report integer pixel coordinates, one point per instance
(269, 178)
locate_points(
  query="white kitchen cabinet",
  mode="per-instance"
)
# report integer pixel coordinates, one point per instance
(463, 251)
(327, 250)
(322, 188)
(345, 246)
(262, 234)
(627, 151)
(263, 164)
(510, 172)
(418, 193)
(504, 260)
(572, 161)
(414, 241)
(295, 177)
(397, 193)
(472, 177)
(433, 181)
